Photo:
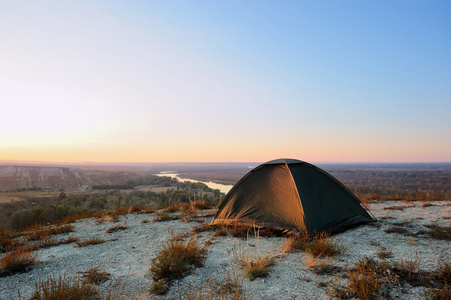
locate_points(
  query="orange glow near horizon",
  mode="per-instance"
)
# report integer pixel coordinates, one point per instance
(216, 153)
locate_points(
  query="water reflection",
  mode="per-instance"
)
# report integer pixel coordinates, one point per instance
(224, 188)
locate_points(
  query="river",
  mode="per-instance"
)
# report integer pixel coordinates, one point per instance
(224, 188)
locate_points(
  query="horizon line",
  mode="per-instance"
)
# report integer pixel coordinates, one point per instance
(8, 161)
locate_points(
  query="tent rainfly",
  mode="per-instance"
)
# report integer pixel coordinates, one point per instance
(292, 194)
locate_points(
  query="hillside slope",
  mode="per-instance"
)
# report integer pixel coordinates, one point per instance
(26, 177)
(127, 255)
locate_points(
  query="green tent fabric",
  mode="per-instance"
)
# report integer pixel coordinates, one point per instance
(291, 194)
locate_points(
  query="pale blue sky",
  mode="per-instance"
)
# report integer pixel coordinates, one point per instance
(225, 80)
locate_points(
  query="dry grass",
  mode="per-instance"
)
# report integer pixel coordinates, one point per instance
(69, 240)
(17, 260)
(398, 230)
(176, 258)
(6, 240)
(93, 241)
(320, 245)
(95, 276)
(320, 265)
(64, 288)
(251, 262)
(398, 207)
(164, 216)
(222, 231)
(443, 293)
(384, 253)
(237, 230)
(409, 267)
(439, 232)
(295, 242)
(173, 208)
(443, 277)
(443, 272)
(427, 204)
(117, 228)
(230, 287)
(203, 204)
(325, 245)
(208, 291)
(363, 283)
(363, 280)
(39, 232)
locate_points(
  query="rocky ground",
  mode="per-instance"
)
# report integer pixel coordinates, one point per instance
(127, 254)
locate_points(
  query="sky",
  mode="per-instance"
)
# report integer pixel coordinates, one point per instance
(225, 81)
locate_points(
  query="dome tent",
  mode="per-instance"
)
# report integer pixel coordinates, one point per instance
(291, 194)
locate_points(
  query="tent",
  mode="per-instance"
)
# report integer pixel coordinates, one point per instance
(291, 194)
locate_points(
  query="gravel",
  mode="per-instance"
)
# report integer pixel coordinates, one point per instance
(126, 255)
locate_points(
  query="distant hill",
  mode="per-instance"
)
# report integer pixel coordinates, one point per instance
(49, 177)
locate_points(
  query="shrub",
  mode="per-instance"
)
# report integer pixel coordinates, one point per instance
(175, 258)
(64, 288)
(17, 260)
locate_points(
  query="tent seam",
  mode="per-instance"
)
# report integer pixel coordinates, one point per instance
(299, 197)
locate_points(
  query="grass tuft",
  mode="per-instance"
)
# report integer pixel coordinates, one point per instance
(295, 242)
(409, 267)
(325, 245)
(93, 241)
(231, 287)
(363, 283)
(17, 260)
(439, 232)
(117, 228)
(175, 258)
(95, 276)
(164, 216)
(159, 287)
(320, 265)
(253, 264)
(64, 288)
